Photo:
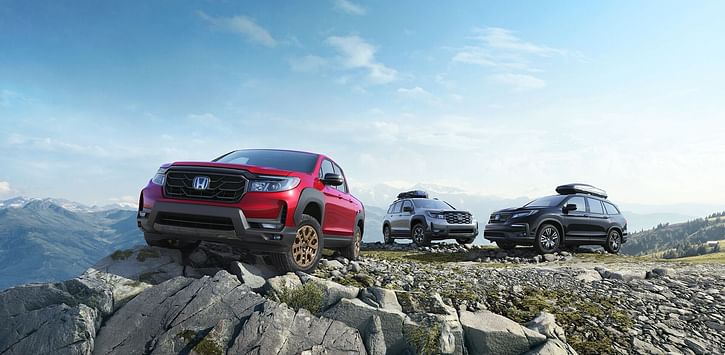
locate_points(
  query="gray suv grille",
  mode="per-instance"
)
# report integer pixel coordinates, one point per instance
(458, 218)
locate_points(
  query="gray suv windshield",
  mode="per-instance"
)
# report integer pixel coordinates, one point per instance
(431, 204)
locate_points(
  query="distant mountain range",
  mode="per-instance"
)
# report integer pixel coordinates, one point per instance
(669, 236)
(48, 239)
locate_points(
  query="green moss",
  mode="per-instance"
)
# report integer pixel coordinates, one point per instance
(308, 296)
(425, 339)
(187, 335)
(144, 254)
(121, 254)
(208, 347)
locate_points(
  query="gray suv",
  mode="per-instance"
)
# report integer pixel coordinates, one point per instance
(415, 216)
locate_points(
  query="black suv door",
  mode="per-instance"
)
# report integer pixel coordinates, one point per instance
(598, 218)
(576, 222)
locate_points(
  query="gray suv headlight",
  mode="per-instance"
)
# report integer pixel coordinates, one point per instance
(438, 215)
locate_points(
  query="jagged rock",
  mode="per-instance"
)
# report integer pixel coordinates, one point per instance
(490, 333)
(198, 257)
(380, 297)
(375, 338)
(334, 264)
(643, 347)
(553, 347)
(129, 272)
(332, 292)
(549, 257)
(174, 313)
(279, 284)
(588, 275)
(356, 313)
(545, 323)
(695, 346)
(56, 329)
(277, 329)
(435, 333)
(251, 275)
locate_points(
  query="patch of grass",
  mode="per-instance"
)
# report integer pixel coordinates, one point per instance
(572, 312)
(187, 335)
(425, 339)
(121, 254)
(204, 346)
(715, 258)
(308, 296)
(144, 254)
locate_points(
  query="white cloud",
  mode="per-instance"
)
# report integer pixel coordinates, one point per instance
(308, 63)
(501, 38)
(10, 98)
(244, 26)
(519, 82)
(415, 93)
(204, 118)
(5, 189)
(356, 53)
(348, 7)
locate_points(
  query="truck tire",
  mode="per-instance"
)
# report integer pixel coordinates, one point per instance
(305, 251)
(352, 251)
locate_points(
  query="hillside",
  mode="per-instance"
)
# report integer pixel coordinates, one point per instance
(41, 241)
(669, 236)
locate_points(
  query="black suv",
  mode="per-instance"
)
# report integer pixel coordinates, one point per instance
(413, 215)
(579, 215)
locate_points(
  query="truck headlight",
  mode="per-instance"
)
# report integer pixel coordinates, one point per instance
(160, 177)
(273, 183)
(524, 214)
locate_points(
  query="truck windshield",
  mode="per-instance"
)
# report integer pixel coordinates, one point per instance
(548, 201)
(276, 159)
(431, 204)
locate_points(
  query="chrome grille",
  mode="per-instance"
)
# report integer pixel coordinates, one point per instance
(458, 217)
(223, 186)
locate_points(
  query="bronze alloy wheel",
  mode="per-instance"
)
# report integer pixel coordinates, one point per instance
(304, 248)
(358, 241)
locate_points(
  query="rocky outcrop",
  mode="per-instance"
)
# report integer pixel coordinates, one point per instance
(158, 301)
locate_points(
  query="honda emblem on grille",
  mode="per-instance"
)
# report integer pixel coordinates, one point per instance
(200, 182)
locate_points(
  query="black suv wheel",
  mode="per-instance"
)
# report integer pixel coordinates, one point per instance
(614, 242)
(418, 235)
(548, 239)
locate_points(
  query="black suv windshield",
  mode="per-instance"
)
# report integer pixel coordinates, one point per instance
(548, 201)
(431, 204)
(275, 159)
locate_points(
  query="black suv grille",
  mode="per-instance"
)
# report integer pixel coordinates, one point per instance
(499, 217)
(223, 186)
(458, 218)
(195, 221)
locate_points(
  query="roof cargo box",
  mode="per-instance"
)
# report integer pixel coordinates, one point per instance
(581, 189)
(413, 194)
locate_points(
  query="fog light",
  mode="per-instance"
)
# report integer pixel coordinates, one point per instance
(277, 237)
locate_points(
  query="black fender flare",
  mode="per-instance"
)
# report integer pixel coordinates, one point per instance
(419, 218)
(556, 223)
(310, 195)
(360, 220)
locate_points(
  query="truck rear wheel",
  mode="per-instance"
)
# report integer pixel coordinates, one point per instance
(352, 251)
(306, 249)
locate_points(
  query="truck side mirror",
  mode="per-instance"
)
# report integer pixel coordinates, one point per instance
(332, 179)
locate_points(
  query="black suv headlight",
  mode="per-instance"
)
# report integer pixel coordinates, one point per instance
(524, 214)
(160, 177)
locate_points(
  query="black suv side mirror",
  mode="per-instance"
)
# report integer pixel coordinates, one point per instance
(407, 209)
(569, 207)
(332, 179)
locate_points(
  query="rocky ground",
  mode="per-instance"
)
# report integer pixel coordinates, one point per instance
(445, 299)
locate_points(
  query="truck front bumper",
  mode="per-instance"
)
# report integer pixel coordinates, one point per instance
(229, 225)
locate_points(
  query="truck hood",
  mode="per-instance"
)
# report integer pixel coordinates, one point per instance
(251, 168)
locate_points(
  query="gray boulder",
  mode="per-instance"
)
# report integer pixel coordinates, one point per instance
(553, 347)
(381, 298)
(545, 323)
(57, 329)
(333, 292)
(278, 285)
(253, 276)
(375, 338)
(490, 333)
(278, 329)
(356, 313)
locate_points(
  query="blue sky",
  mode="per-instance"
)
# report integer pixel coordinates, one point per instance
(506, 99)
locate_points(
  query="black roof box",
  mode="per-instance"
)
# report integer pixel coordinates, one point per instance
(413, 194)
(569, 189)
